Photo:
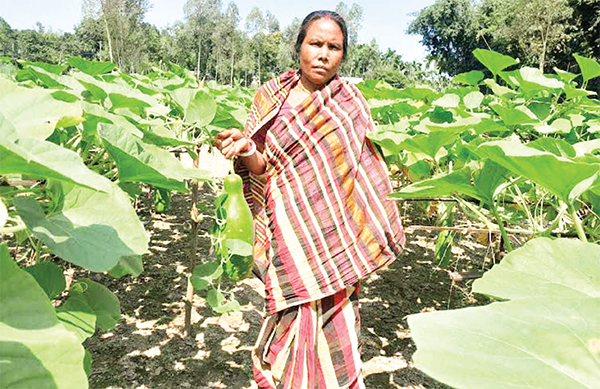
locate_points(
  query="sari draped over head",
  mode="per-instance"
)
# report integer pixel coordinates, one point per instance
(321, 216)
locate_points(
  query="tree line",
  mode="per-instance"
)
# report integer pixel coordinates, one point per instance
(210, 41)
(541, 33)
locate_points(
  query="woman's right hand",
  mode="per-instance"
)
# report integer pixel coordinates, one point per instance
(232, 142)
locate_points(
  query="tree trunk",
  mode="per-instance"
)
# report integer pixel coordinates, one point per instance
(199, 54)
(110, 52)
(217, 62)
(232, 62)
(544, 46)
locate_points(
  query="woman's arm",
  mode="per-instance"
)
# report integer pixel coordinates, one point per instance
(232, 143)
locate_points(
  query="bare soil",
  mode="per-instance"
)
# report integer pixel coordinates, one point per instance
(148, 349)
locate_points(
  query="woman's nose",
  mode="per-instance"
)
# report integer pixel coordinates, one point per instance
(323, 53)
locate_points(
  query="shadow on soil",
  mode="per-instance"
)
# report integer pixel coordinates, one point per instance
(148, 348)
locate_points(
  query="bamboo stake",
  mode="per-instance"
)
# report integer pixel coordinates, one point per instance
(189, 294)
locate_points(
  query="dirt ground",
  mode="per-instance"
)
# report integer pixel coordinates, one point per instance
(148, 348)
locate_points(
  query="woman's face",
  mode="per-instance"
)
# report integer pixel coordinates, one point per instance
(321, 53)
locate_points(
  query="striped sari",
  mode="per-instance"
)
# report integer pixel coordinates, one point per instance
(322, 223)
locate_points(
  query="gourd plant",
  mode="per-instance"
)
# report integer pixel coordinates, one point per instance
(518, 151)
(520, 148)
(232, 236)
(75, 150)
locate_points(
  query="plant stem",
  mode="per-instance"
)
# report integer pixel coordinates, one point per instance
(13, 229)
(97, 158)
(501, 226)
(477, 212)
(532, 220)
(554, 223)
(578, 225)
(189, 295)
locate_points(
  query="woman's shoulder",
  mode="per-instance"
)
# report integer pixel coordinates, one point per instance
(353, 92)
(279, 81)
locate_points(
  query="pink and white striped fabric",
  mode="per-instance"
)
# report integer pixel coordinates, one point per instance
(322, 219)
(312, 345)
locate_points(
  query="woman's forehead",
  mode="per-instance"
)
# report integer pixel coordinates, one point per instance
(324, 26)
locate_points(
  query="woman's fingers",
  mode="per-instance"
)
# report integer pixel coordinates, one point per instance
(233, 148)
(230, 142)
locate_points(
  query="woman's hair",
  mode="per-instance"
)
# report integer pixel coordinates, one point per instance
(316, 15)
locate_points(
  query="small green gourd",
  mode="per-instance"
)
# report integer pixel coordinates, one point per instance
(238, 226)
(162, 200)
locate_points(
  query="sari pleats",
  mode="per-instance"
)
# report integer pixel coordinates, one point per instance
(311, 346)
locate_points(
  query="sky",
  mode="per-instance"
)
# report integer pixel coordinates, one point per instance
(386, 21)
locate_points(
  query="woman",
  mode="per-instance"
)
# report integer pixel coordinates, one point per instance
(317, 188)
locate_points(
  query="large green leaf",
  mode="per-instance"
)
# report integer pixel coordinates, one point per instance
(495, 62)
(95, 114)
(95, 90)
(204, 274)
(224, 118)
(512, 116)
(8, 133)
(3, 213)
(473, 100)
(93, 68)
(538, 342)
(479, 180)
(458, 126)
(121, 95)
(141, 162)
(413, 93)
(500, 90)
(100, 299)
(391, 113)
(199, 107)
(589, 68)
(588, 147)
(469, 78)
(36, 351)
(171, 84)
(50, 68)
(219, 303)
(47, 79)
(547, 336)
(121, 101)
(562, 176)
(380, 90)
(128, 265)
(92, 229)
(544, 267)
(34, 112)
(49, 276)
(78, 317)
(389, 140)
(555, 146)
(448, 100)
(532, 80)
(487, 126)
(162, 136)
(45, 160)
(430, 143)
